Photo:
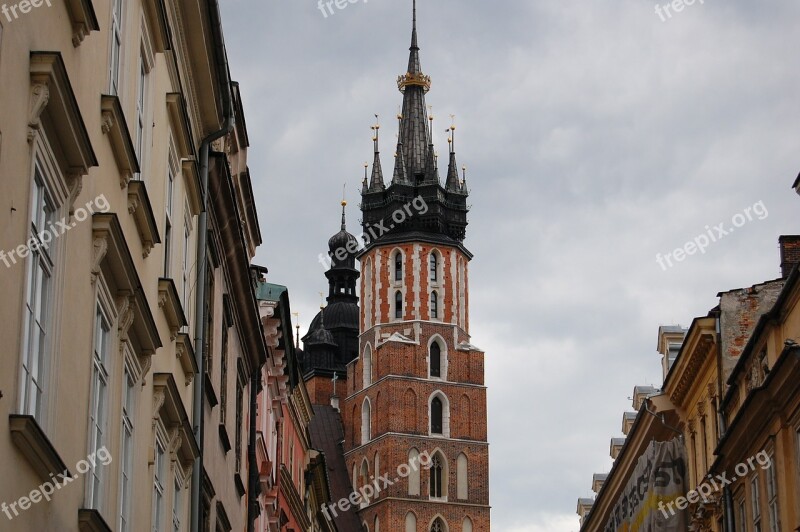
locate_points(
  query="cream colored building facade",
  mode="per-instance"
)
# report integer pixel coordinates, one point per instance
(731, 393)
(103, 110)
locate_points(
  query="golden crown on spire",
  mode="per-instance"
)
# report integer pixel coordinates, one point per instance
(414, 80)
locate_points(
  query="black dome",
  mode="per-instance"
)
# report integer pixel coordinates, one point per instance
(338, 315)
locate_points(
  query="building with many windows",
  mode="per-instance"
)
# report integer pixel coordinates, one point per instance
(126, 373)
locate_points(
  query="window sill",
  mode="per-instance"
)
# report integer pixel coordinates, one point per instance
(223, 438)
(33, 443)
(91, 521)
(237, 479)
(208, 388)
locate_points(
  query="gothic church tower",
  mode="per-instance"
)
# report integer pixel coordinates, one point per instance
(416, 391)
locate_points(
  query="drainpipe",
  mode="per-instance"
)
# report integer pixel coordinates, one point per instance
(252, 489)
(202, 244)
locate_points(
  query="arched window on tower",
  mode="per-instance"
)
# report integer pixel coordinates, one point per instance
(398, 266)
(366, 428)
(367, 380)
(411, 522)
(438, 526)
(434, 305)
(434, 267)
(437, 476)
(436, 416)
(414, 476)
(398, 304)
(436, 360)
(462, 486)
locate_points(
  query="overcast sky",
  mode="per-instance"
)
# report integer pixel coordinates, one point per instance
(595, 136)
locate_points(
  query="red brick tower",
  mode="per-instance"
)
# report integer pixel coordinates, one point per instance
(416, 394)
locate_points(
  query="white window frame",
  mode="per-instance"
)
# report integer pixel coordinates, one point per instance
(186, 266)
(145, 63)
(169, 208)
(116, 45)
(37, 362)
(772, 495)
(127, 443)
(103, 341)
(755, 502)
(161, 455)
(177, 503)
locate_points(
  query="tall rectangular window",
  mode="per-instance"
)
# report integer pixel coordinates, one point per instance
(177, 501)
(99, 404)
(741, 512)
(772, 497)
(209, 325)
(169, 207)
(126, 451)
(755, 503)
(223, 381)
(159, 472)
(116, 46)
(186, 266)
(141, 112)
(39, 274)
(239, 419)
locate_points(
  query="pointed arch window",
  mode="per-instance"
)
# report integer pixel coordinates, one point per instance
(434, 305)
(436, 416)
(436, 470)
(436, 360)
(366, 422)
(411, 522)
(434, 267)
(398, 304)
(398, 266)
(367, 380)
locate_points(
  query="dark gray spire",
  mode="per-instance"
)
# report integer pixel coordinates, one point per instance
(400, 172)
(414, 126)
(376, 182)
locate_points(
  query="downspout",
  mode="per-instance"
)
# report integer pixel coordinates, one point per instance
(729, 521)
(202, 244)
(252, 490)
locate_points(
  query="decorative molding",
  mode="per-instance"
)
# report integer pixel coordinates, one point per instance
(99, 250)
(170, 304)
(172, 413)
(159, 396)
(52, 96)
(142, 211)
(83, 18)
(185, 354)
(74, 180)
(126, 315)
(40, 96)
(112, 256)
(115, 127)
